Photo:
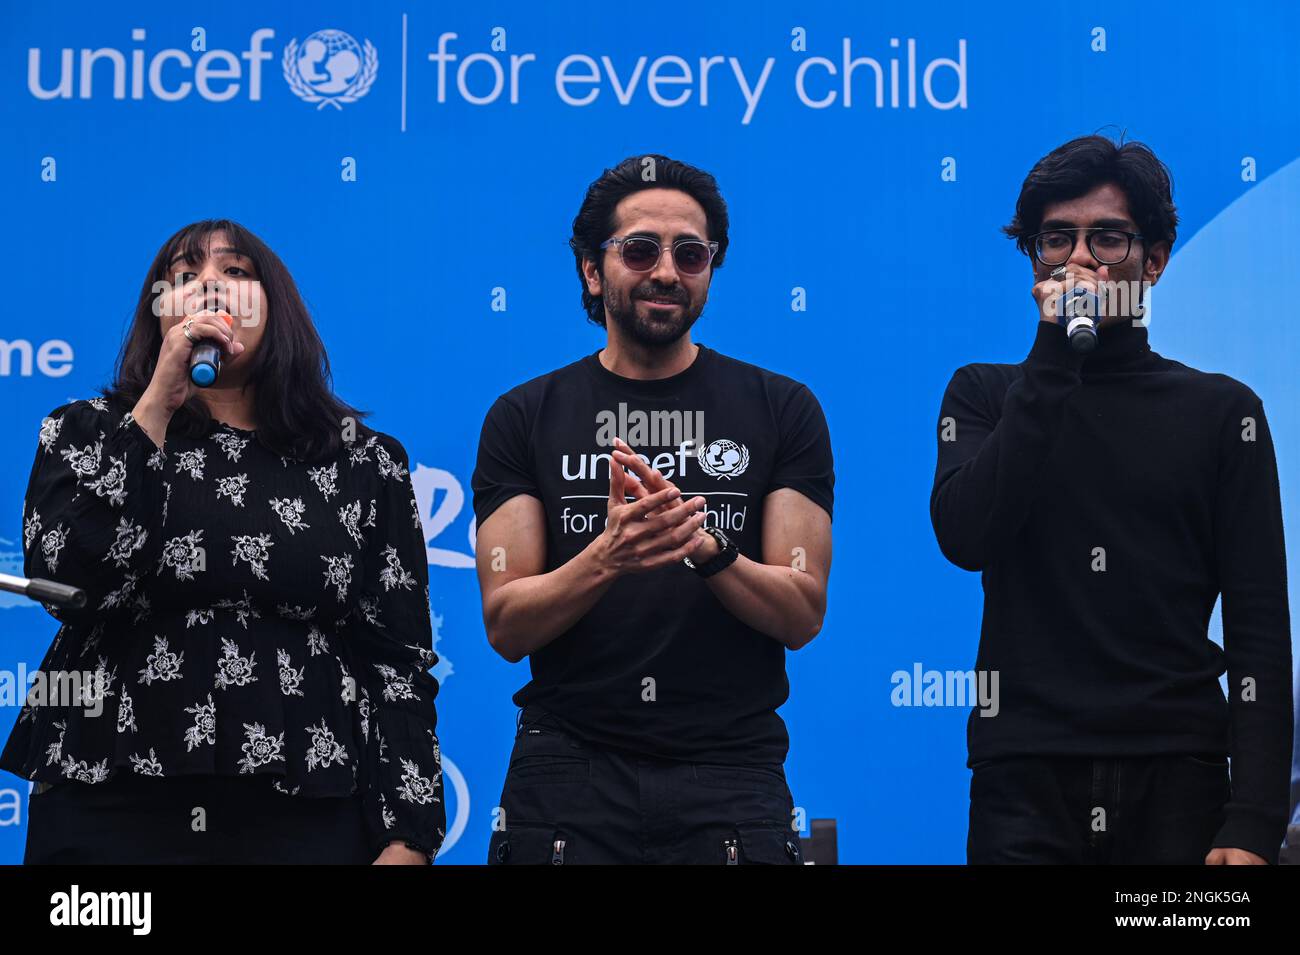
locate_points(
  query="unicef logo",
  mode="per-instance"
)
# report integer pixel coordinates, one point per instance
(329, 68)
(723, 458)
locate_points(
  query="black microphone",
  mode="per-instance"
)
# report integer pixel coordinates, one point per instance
(1079, 310)
(46, 591)
(205, 361)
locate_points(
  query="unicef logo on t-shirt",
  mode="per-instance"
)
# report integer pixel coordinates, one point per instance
(723, 458)
(330, 68)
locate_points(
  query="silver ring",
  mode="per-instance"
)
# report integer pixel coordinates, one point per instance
(186, 330)
(1058, 272)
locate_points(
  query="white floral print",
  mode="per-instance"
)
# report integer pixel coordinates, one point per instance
(234, 669)
(338, 574)
(82, 773)
(394, 575)
(386, 466)
(192, 463)
(204, 616)
(126, 713)
(359, 453)
(83, 461)
(259, 747)
(316, 642)
(349, 514)
(415, 788)
(255, 551)
(231, 443)
(31, 527)
(50, 428)
(143, 550)
(181, 554)
(111, 485)
(397, 686)
(243, 609)
(204, 729)
(233, 487)
(290, 679)
(120, 597)
(325, 479)
(146, 767)
(363, 708)
(295, 612)
(100, 685)
(290, 512)
(324, 749)
(52, 545)
(162, 664)
(130, 538)
(54, 752)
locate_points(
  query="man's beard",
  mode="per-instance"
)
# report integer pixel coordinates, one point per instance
(654, 332)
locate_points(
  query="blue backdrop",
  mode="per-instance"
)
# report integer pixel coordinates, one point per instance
(410, 195)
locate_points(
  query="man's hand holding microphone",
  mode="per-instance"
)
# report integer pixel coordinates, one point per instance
(1073, 296)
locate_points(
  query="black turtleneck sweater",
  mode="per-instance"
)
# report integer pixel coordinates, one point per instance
(1108, 500)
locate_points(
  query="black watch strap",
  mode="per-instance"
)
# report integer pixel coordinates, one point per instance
(724, 558)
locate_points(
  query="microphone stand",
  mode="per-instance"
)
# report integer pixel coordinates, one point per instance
(45, 591)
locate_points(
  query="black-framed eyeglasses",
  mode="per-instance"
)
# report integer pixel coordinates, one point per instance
(641, 253)
(1108, 246)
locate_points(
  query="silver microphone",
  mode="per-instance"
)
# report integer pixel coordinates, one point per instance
(1080, 311)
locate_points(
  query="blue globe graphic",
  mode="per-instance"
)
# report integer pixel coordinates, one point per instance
(329, 61)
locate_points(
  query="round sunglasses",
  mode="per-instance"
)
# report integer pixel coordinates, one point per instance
(641, 253)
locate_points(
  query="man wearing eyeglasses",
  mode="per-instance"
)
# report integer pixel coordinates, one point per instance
(654, 533)
(1109, 497)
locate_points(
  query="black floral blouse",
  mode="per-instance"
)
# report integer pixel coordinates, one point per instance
(246, 614)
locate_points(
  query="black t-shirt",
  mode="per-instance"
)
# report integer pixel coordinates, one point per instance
(658, 666)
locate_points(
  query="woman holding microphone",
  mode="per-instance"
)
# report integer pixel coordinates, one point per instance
(250, 666)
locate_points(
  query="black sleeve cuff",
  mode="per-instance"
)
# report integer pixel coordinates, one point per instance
(1253, 832)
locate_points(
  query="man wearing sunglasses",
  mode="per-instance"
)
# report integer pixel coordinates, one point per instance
(1109, 497)
(653, 535)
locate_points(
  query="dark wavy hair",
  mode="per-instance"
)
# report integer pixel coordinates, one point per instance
(1082, 164)
(298, 414)
(594, 222)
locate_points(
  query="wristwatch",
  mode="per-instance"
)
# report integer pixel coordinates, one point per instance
(724, 558)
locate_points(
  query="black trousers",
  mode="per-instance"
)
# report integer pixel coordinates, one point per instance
(205, 820)
(1161, 810)
(566, 802)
